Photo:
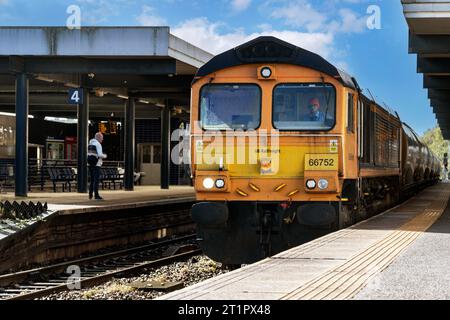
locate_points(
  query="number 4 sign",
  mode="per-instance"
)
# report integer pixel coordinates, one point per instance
(75, 96)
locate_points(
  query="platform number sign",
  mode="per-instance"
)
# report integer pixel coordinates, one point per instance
(75, 96)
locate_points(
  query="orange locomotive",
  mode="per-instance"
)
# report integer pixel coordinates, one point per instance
(285, 148)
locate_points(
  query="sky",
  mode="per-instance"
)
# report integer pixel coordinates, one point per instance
(376, 55)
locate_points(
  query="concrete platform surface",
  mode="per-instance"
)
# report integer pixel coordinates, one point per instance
(419, 273)
(341, 264)
(72, 202)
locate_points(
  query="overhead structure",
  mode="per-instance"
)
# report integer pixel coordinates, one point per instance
(429, 38)
(133, 72)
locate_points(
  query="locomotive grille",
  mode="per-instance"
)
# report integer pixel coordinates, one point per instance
(386, 141)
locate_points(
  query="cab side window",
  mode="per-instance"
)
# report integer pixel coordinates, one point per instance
(350, 113)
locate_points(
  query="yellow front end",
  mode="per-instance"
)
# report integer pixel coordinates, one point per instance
(273, 150)
(268, 164)
(271, 173)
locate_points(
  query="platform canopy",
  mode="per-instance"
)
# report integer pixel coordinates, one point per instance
(148, 63)
(127, 72)
(429, 38)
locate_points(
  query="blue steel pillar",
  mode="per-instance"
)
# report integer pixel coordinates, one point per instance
(21, 161)
(83, 137)
(129, 144)
(165, 147)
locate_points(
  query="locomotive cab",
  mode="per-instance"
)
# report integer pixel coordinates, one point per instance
(285, 148)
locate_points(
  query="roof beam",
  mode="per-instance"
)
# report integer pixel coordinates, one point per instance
(79, 65)
(433, 66)
(440, 102)
(166, 95)
(139, 82)
(439, 111)
(444, 119)
(429, 44)
(443, 114)
(59, 99)
(104, 109)
(148, 86)
(436, 82)
(441, 108)
(438, 94)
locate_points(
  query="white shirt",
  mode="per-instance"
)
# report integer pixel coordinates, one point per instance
(100, 153)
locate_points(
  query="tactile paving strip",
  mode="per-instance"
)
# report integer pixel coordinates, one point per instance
(344, 281)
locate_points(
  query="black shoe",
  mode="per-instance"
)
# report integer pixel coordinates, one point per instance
(98, 198)
(90, 196)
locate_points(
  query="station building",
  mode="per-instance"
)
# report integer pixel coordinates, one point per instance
(58, 87)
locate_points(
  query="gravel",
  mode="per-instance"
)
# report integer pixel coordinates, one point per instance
(194, 270)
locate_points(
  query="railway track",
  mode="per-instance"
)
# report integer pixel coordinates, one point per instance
(39, 282)
(69, 236)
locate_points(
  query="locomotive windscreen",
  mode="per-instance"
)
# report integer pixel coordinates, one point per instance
(230, 107)
(304, 107)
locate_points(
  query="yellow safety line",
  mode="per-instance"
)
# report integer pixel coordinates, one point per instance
(366, 268)
(329, 279)
(346, 280)
(305, 249)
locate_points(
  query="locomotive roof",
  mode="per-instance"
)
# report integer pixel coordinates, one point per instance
(273, 50)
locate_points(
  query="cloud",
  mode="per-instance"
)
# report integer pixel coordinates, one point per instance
(206, 35)
(300, 14)
(240, 5)
(351, 22)
(148, 17)
(326, 17)
(94, 12)
(352, 1)
(314, 28)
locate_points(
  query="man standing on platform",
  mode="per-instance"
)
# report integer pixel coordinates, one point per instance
(95, 161)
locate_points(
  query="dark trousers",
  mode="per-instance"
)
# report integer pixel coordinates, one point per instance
(94, 171)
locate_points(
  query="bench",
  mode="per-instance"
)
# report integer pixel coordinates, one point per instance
(61, 174)
(110, 175)
(6, 176)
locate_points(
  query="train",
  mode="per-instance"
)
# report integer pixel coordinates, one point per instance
(285, 148)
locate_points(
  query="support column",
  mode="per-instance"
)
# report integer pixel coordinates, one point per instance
(82, 141)
(165, 147)
(21, 161)
(129, 144)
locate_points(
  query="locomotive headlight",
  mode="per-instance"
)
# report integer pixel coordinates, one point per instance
(310, 184)
(266, 72)
(220, 183)
(208, 183)
(322, 184)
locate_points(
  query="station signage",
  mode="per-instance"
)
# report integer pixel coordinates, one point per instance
(108, 127)
(75, 96)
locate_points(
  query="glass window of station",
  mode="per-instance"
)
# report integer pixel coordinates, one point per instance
(230, 107)
(304, 107)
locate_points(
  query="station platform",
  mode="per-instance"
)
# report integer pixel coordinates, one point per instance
(75, 225)
(73, 203)
(402, 253)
